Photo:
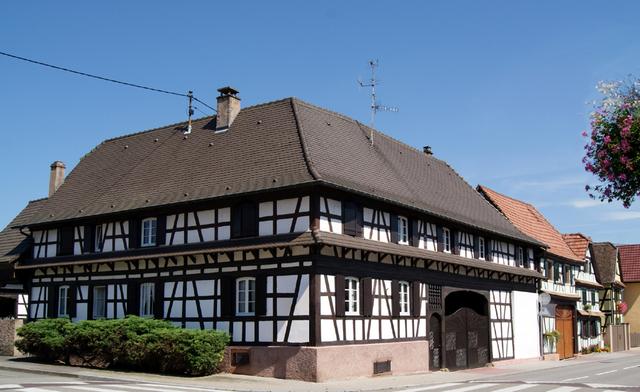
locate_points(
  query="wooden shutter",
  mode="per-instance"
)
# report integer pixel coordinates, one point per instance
(349, 218)
(89, 238)
(261, 295)
(161, 230)
(158, 300)
(487, 250)
(550, 271)
(359, 221)
(228, 286)
(236, 221)
(134, 233)
(395, 298)
(71, 301)
(52, 307)
(90, 303)
(249, 220)
(133, 298)
(440, 238)
(414, 232)
(476, 246)
(65, 241)
(339, 295)
(416, 301)
(366, 297)
(394, 228)
(455, 241)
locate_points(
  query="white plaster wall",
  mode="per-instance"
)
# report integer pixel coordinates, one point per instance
(526, 337)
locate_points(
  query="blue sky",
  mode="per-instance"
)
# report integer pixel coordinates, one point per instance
(499, 89)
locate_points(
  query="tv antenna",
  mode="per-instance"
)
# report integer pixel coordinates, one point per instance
(375, 105)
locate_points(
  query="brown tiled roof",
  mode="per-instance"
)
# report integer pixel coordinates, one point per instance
(269, 146)
(12, 242)
(531, 222)
(604, 261)
(578, 243)
(630, 262)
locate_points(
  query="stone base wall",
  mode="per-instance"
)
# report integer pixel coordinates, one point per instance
(8, 336)
(326, 363)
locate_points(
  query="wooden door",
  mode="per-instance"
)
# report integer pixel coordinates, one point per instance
(466, 339)
(564, 325)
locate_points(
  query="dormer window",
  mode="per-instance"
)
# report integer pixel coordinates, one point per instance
(403, 230)
(149, 228)
(446, 234)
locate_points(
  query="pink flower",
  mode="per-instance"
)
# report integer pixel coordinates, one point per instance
(622, 177)
(584, 134)
(607, 139)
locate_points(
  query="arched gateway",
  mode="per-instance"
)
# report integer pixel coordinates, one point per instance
(466, 327)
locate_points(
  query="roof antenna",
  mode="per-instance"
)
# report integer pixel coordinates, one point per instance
(189, 111)
(375, 106)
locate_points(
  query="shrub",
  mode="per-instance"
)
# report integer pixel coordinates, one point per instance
(130, 343)
(45, 339)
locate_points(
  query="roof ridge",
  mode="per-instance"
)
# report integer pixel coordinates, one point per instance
(305, 152)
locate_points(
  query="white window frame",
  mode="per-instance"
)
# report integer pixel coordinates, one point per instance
(148, 235)
(245, 296)
(98, 238)
(403, 230)
(404, 297)
(147, 299)
(351, 296)
(481, 249)
(63, 301)
(446, 239)
(95, 302)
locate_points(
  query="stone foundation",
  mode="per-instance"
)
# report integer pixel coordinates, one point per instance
(8, 336)
(328, 362)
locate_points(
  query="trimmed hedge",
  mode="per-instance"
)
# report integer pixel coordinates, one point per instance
(132, 343)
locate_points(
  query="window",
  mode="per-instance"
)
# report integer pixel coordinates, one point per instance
(147, 296)
(520, 257)
(593, 297)
(99, 302)
(404, 298)
(246, 297)
(481, 248)
(244, 220)
(584, 297)
(149, 227)
(98, 239)
(446, 234)
(63, 301)
(403, 230)
(557, 272)
(351, 296)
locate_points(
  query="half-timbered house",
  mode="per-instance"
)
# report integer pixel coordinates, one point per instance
(560, 267)
(588, 311)
(323, 253)
(607, 268)
(630, 271)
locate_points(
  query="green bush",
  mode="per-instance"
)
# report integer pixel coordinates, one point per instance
(46, 339)
(131, 343)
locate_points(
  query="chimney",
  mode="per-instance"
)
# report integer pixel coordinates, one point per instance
(228, 108)
(427, 150)
(56, 178)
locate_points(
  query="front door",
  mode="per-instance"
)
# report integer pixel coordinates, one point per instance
(466, 339)
(564, 325)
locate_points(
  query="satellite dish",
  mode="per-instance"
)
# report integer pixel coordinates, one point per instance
(544, 298)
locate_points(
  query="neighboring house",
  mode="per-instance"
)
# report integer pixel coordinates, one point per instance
(630, 268)
(13, 244)
(559, 264)
(324, 253)
(589, 315)
(607, 268)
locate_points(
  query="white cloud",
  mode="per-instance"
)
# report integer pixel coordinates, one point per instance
(550, 184)
(581, 203)
(623, 215)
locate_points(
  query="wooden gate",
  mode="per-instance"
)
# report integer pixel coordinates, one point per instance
(466, 339)
(564, 325)
(435, 342)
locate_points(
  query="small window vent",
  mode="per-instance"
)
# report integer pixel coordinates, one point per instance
(239, 358)
(382, 367)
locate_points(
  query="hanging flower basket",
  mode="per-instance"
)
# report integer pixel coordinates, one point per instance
(612, 153)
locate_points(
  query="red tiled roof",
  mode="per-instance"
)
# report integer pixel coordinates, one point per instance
(531, 222)
(578, 243)
(630, 262)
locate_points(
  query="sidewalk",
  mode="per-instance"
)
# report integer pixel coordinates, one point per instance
(234, 382)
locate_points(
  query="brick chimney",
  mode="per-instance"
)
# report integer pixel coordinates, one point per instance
(228, 108)
(56, 178)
